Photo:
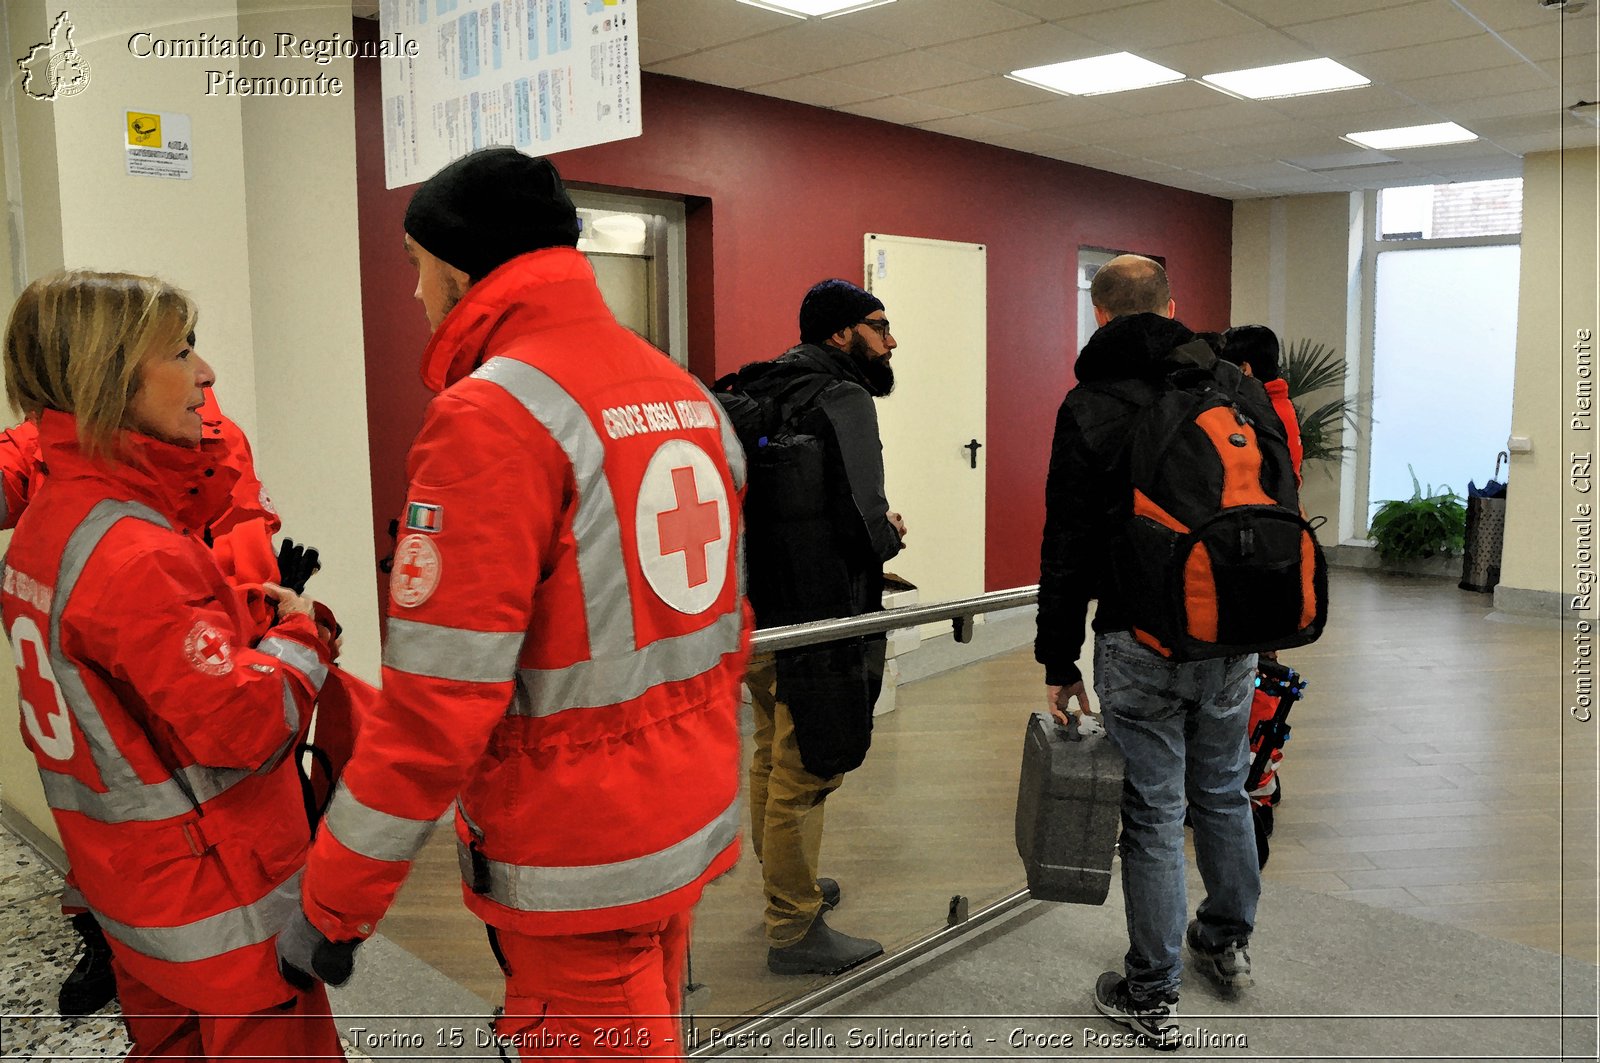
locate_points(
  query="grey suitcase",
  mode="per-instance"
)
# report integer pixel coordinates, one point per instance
(1069, 803)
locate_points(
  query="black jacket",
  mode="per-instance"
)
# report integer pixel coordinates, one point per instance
(1088, 493)
(817, 549)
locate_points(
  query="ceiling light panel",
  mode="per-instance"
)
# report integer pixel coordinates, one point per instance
(815, 8)
(1412, 136)
(1101, 74)
(1286, 79)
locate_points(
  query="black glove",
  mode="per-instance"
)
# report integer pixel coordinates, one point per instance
(296, 565)
(305, 957)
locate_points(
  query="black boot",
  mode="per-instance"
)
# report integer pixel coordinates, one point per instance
(822, 951)
(91, 985)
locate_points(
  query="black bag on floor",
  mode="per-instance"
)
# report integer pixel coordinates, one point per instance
(1069, 803)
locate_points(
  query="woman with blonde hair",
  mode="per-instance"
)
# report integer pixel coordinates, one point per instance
(163, 737)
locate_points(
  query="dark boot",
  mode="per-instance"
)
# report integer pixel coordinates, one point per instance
(831, 894)
(822, 951)
(91, 985)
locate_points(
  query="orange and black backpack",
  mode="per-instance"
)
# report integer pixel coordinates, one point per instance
(1212, 557)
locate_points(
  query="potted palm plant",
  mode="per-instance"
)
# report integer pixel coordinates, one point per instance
(1432, 523)
(1309, 368)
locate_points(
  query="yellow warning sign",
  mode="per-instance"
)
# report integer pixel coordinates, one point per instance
(144, 130)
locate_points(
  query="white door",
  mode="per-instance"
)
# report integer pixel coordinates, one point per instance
(934, 294)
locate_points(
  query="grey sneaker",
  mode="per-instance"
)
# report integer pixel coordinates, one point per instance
(1152, 1018)
(1228, 967)
(822, 951)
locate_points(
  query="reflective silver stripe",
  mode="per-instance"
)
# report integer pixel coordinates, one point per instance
(596, 886)
(604, 681)
(215, 935)
(372, 833)
(296, 655)
(291, 708)
(452, 652)
(731, 447)
(142, 803)
(129, 799)
(607, 605)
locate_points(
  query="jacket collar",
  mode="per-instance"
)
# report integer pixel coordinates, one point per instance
(1129, 347)
(190, 486)
(534, 292)
(836, 362)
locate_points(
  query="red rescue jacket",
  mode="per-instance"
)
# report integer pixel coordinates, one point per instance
(1278, 392)
(160, 733)
(566, 630)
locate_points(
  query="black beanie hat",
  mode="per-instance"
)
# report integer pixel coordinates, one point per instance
(488, 207)
(1255, 346)
(833, 305)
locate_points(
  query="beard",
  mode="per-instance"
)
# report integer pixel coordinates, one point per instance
(877, 370)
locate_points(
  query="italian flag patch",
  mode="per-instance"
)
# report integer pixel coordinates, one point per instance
(424, 518)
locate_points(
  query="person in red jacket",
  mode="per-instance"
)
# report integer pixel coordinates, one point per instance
(240, 535)
(566, 635)
(1254, 348)
(162, 727)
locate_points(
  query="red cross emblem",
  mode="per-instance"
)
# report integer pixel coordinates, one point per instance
(208, 649)
(42, 710)
(417, 566)
(684, 526)
(690, 528)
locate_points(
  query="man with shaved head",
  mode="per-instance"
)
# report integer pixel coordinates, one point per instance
(1180, 725)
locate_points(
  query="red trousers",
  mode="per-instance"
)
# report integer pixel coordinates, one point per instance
(300, 1029)
(612, 994)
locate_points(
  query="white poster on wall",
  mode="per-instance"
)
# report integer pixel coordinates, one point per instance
(540, 75)
(158, 145)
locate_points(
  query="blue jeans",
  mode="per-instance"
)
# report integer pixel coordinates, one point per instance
(1182, 729)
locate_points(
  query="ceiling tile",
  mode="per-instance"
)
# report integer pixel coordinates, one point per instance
(1220, 155)
(1225, 115)
(1445, 152)
(1039, 45)
(1163, 99)
(807, 48)
(926, 22)
(898, 109)
(1392, 26)
(1500, 15)
(1033, 141)
(1498, 129)
(1148, 147)
(1099, 158)
(712, 69)
(1482, 52)
(971, 126)
(654, 51)
(1057, 112)
(1279, 13)
(1537, 43)
(1053, 9)
(1519, 103)
(697, 24)
(1499, 167)
(908, 72)
(1263, 135)
(975, 97)
(1240, 51)
(1157, 23)
(818, 92)
(1445, 91)
(1364, 100)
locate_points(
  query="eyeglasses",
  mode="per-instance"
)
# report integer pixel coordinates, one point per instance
(878, 325)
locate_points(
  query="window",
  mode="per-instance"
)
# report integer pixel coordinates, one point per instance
(1444, 212)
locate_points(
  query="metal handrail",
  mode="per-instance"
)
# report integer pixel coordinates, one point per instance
(961, 610)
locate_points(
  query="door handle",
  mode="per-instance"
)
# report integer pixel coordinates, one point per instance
(972, 449)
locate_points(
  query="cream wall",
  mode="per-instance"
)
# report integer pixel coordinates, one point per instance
(1296, 267)
(263, 236)
(1560, 294)
(1293, 271)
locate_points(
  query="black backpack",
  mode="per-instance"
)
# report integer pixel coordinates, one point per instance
(1213, 557)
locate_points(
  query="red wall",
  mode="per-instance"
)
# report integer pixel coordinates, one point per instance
(780, 195)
